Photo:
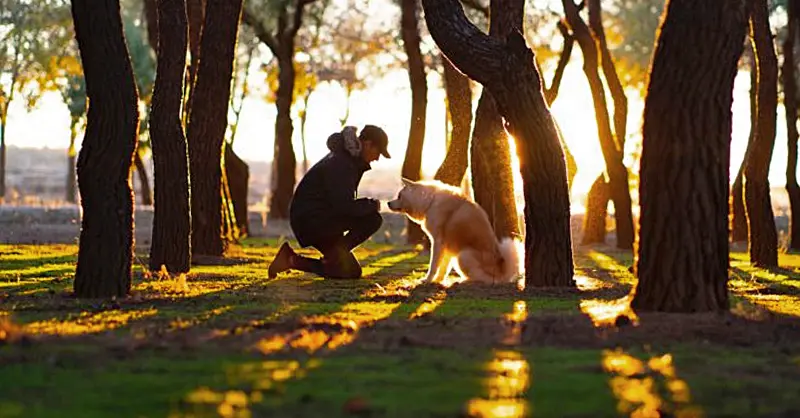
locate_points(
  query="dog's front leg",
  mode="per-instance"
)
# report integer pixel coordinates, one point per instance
(437, 254)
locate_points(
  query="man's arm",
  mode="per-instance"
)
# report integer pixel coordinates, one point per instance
(341, 193)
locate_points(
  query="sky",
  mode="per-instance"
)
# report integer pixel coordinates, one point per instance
(387, 103)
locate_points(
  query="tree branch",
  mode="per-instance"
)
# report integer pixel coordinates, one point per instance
(260, 30)
(471, 51)
(552, 92)
(299, 9)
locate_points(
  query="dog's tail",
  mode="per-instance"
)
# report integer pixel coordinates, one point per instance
(511, 251)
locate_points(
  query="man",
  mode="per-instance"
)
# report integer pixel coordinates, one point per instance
(325, 213)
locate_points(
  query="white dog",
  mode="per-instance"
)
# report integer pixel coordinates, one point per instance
(458, 228)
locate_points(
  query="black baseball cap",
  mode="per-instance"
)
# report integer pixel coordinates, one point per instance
(377, 136)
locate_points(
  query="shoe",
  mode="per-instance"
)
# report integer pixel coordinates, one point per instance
(282, 261)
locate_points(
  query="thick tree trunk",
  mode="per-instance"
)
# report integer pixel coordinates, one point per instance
(412, 164)
(682, 258)
(196, 16)
(594, 222)
(492, 176)
(507, 70)
(104, 164)
(171, 235)
(284, 160)
(238, 179)
(619, 188)
(790, 103)
(72, 195)
(763, 237)
(459, 108)
(145, 193)
(738, 216)
(208, 120)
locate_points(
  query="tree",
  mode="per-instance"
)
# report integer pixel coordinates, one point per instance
(682, 256)
(75, 98)
(104, 164)
(459, 107)
(790, 103)
(738, 216)
(412, 164)
(492, 176)
(763, 237)
(282, 44)
(507, 69)
(35, 32)
(171, 236)
(207, 122)
(595, 53)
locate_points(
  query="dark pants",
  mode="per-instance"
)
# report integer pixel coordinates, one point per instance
(336, 246)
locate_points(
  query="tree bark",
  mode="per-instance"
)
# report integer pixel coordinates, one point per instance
(72, 195)
(208, 119)
(104, 165)
(151, 21)
(594, 222)
(790, 103)
(612, 149)
(284, 160)
(238, 179)
(3, 122)
(459, 107)
(412, 164)
(682, 257)
(146, 194)
(763, 237)
(507, 69)
(738, 216)
(171, 234)
(492, 176)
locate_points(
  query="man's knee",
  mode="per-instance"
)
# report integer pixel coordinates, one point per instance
(344, 269)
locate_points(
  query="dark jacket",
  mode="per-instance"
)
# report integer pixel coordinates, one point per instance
(327, 193)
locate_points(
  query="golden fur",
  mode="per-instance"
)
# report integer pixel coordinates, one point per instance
(459, 231)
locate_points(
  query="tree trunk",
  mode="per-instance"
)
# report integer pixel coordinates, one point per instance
(196, 16)
(790, 103)
(72, 195)
(738, 216)
(551, 93)
(238, 179)
(144, 182)
(682, 257)
(594, 222)
(507, 70)
(104, 165)
(151, 21)
(492, 176)
(763, 237)
(459, 107)
(208, 120)
(3, 121)
(412, 165)
(284, 161)
(171, 239)
(303, 119)
(612, 149)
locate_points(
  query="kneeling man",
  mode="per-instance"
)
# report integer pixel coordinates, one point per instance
(325, 212)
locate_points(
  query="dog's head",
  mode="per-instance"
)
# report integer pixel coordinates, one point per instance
(413, 200)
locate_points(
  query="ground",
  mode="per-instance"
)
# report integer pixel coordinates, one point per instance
(227, 341)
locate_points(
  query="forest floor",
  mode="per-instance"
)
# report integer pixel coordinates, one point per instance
(227, 341)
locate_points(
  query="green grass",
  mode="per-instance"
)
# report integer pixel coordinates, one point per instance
(227, 341)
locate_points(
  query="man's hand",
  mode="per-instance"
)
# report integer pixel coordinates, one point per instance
(377, 204)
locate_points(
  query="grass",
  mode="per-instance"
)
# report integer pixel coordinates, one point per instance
(227, 341)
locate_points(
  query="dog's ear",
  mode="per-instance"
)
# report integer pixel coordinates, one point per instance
(407, 182)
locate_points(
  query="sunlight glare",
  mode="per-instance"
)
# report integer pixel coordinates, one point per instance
(605, 312)
(636, 386)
